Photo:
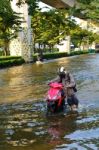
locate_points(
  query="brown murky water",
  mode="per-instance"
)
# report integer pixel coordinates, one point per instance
(23, 121)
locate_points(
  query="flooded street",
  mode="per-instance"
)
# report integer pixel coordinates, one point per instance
(23, 121)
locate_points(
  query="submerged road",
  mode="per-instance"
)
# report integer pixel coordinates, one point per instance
(23, 124)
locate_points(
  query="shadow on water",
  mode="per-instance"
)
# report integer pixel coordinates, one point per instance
(23, 121)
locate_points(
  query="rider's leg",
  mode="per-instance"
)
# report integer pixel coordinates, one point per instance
(73, 102)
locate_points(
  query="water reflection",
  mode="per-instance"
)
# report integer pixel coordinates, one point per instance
(23, 120)
(59, 126)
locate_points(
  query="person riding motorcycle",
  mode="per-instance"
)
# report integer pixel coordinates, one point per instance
(69, 84)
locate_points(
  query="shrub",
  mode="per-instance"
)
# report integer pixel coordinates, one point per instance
(59, 55)
(78, 53)
(51, 55)
(10, 61)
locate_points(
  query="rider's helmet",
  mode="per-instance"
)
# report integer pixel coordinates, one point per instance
(62, 72)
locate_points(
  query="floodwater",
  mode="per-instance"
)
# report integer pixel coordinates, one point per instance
(23, 121)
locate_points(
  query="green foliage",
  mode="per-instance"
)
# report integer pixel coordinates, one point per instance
(33, 5)
(51, 27)
(59, 55)
(2, 58)
(51, 55)
(55, 55)
(83, 36)
(88, 9)
(10, 61)
(53, 50)
(86, 2)
(1, 53)
(72, 53)
(9, 23)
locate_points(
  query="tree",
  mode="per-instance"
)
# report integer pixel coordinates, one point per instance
(52, 26)
(33, 4)
(83, 38)
(9, 24)
(87, 9)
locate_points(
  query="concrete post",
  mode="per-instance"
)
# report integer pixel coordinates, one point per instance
(22, 45)
(65, 45)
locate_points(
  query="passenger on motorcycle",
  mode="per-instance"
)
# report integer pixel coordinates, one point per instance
(69, 84)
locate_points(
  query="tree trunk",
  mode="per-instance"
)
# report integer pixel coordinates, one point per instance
(6, 48)
(34, 49)
(40, 54)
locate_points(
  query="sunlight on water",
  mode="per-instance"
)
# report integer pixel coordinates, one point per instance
(84, 135)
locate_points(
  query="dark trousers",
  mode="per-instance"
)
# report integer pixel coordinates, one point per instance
(72, 100)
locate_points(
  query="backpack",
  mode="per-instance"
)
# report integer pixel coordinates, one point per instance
(74, 88)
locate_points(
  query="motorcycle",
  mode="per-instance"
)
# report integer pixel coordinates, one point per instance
(55, 98)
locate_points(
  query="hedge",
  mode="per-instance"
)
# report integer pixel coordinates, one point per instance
(7, 61)
(10, 61)
(59, 55)
(78, 52)
(2, 58)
